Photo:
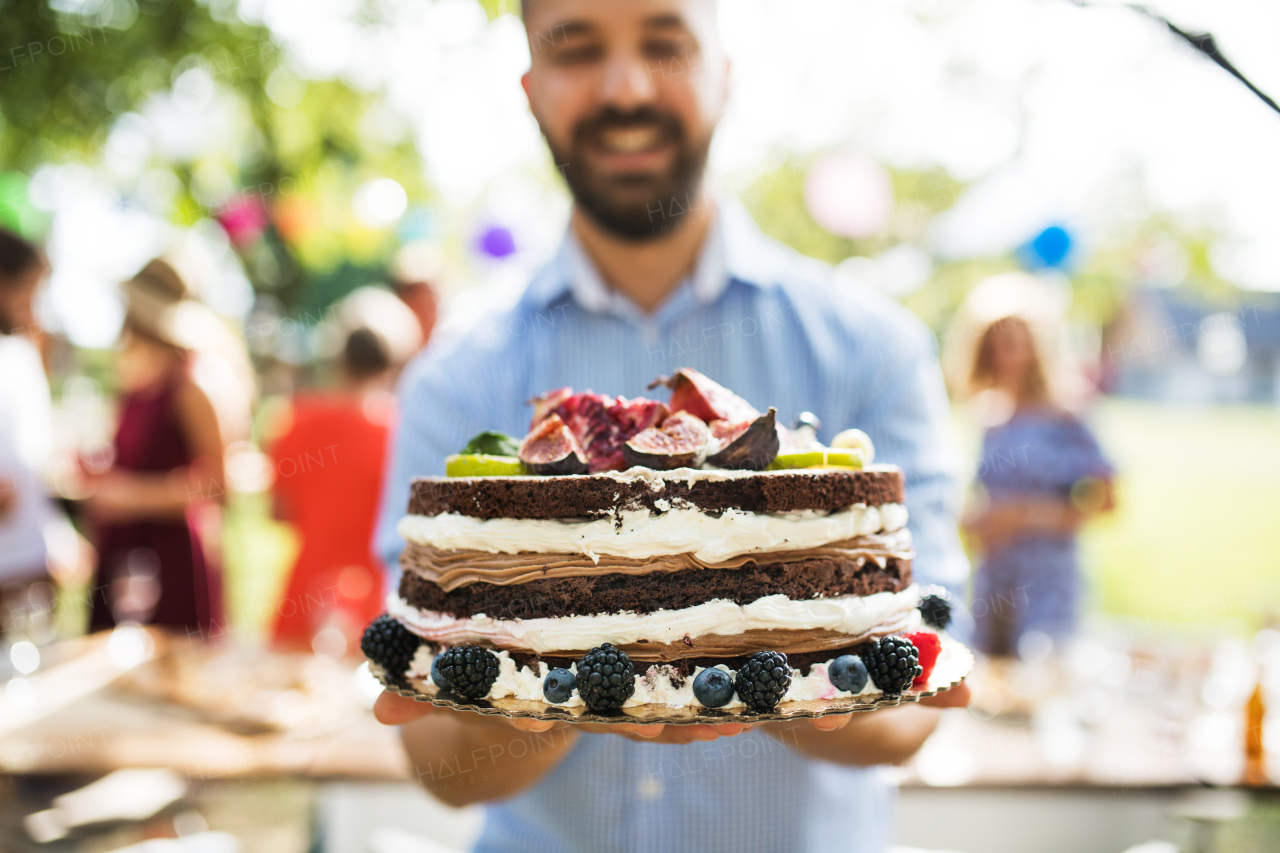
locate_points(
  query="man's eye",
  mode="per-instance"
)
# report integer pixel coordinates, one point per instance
(665, 49)
(578, 55)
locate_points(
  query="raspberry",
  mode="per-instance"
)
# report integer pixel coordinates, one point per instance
(469, 670)
(762, 681)
(391, 646)
(928, 645)
(893, 663)
(606, 678)
(936, 610)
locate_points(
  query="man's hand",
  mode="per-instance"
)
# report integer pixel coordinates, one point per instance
(887, 736)
(955, 697)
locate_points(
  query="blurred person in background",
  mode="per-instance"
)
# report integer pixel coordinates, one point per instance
(328, 459)
(151, 506)
(26, 441)
(1042, 476)
(418, 273)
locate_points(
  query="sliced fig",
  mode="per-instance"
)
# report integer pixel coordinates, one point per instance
(551, 449)
(679, 442)
(753, 447)
(709, 400)
(547, 403)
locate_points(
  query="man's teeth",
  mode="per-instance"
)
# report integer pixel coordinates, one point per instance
(630, 140)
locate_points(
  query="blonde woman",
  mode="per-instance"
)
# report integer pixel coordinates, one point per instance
(1041, 474)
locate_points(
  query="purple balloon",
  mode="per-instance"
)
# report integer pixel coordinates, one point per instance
(497, 241)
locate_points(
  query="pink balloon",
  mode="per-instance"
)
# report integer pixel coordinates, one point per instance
(849, 194)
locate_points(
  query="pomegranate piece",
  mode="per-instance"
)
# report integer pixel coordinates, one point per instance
(551, 448)
(748, 446)
(679, 442)
(704, 397)
(548, 403)
(928, 646)
(601, 424)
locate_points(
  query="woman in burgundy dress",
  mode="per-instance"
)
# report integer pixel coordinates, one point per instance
(168, 465)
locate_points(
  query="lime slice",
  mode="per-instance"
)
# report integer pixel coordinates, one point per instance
(831, 457)
(483, 465)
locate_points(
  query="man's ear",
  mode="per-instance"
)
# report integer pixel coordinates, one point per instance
(525, 84)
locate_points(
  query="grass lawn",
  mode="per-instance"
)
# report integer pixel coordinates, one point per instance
(1196, 535)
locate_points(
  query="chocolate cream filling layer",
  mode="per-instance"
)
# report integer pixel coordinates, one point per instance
(822, 577)
(450, 568)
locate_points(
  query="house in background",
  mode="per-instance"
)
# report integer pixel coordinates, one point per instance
(1174, 345)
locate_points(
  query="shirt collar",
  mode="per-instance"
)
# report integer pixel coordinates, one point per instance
(731, 252)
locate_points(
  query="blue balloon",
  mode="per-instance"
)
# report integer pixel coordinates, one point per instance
(1050, 248)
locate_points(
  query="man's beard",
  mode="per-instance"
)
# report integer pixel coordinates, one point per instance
(635, 207)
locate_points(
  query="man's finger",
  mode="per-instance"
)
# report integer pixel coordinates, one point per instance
(533, 725)
(956, 697)
(393, 710)
(649, 731)
(831, 722)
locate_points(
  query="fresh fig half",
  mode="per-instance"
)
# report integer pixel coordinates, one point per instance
(752, 448)
(551, 449)
(678, 442)
(704, 397)
(545, 404)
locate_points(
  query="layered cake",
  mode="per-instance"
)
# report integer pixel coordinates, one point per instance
(689, 554)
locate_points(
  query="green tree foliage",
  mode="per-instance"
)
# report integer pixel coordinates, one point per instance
(67, 78)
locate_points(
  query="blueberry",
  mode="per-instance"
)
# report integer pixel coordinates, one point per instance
(848, 672)
(437, 677)
(713, 687)
(558, 686)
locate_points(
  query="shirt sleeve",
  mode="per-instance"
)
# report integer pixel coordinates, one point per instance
(908, 416)
(437, 417)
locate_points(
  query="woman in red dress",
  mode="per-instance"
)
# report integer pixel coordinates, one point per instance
(168, 466)
(328, 464)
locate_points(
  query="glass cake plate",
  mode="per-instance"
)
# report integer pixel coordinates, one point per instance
(958, 665)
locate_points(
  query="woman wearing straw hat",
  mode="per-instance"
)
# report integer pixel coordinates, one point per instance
(152, 566)
(1041, 473)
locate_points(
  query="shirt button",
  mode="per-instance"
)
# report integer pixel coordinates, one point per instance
(650, 788)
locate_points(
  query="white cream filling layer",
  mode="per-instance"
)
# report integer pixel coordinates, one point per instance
(854, 615)
(640, 534)
(654, 687)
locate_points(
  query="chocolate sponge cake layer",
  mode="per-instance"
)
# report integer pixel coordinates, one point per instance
(596, 494)
(610, 593)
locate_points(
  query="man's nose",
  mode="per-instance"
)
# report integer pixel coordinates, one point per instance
(628, 82)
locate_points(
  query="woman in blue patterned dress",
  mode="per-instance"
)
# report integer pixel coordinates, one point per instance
(1041, 476)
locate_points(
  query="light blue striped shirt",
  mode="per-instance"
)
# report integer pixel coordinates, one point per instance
(771, 325)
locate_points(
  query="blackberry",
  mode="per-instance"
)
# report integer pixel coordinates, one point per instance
(936, 610)
(893, 663)
(470, 670)
(762, 680)
(606, 678)
(391, 646)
